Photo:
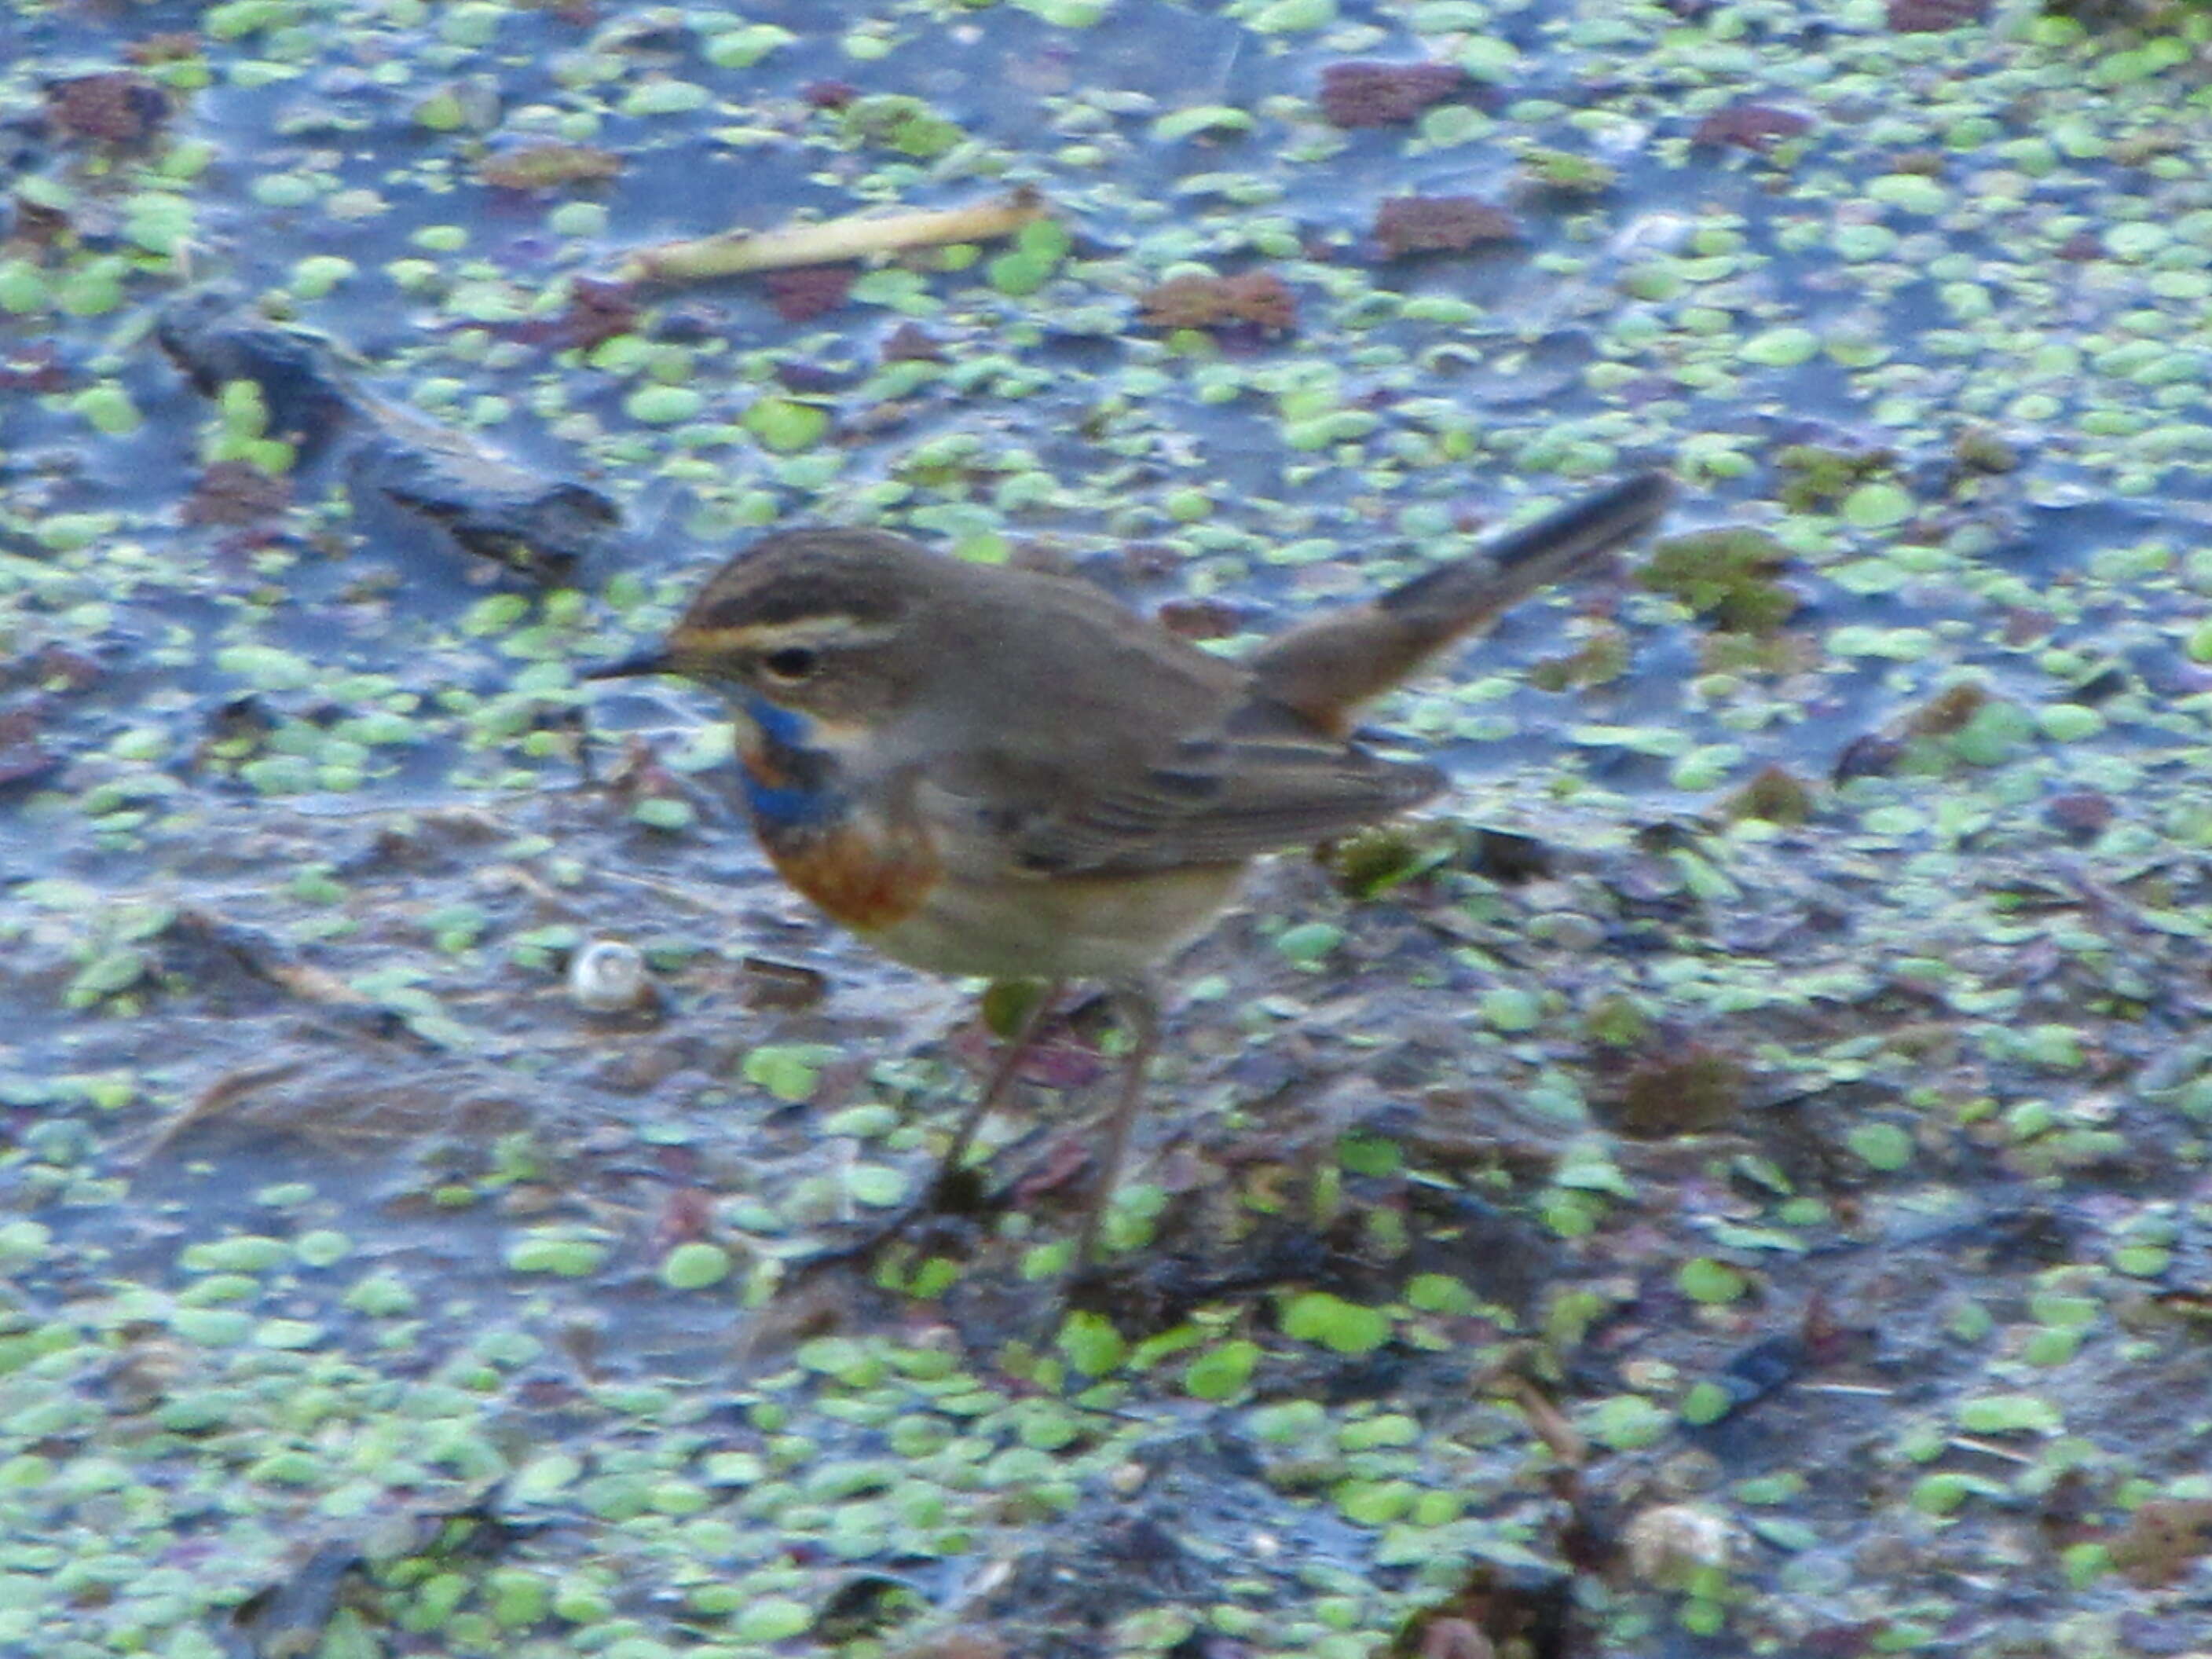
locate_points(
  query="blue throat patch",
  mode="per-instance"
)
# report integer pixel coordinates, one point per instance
(810, 797)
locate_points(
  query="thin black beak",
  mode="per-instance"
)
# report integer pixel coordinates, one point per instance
(654, 659)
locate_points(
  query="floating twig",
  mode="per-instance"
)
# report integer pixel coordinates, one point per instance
(829, 240)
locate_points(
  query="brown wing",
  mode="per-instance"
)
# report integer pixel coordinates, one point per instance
(1119, 748)
(1274, 773)
(1269, 784)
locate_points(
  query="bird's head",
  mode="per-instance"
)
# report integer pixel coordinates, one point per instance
(827, 623)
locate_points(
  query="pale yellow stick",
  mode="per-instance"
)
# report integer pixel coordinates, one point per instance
(852, 237)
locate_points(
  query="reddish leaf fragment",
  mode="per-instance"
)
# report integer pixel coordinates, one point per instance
(2080, 814)
(597, 313)
(1370, 94)
(1434, 224)
(116, 106)
(1258, 296)
(687, 1214)
(236, 493)
(1750, 127)
(1934, 16)
(807, 292)
(829, 94)
(22, 757)
(910, 343)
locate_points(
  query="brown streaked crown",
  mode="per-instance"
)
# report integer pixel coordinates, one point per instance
(824, 622)
(797, 575)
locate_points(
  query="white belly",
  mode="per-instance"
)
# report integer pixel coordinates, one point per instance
(1104, 927)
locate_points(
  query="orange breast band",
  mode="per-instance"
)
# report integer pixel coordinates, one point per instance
(861, 880)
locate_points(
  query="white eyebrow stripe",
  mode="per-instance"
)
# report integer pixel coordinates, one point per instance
(834, 629)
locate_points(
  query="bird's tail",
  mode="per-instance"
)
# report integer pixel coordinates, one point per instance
(1326, 668)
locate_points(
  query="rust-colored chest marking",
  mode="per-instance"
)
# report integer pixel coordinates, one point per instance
(866, 869)
(864, 879)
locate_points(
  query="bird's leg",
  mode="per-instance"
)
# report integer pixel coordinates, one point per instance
(1138, 1004)
(995, 1090)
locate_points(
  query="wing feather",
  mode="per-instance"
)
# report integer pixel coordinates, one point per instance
(1209, 800)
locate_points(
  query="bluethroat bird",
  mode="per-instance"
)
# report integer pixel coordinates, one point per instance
(984, 770)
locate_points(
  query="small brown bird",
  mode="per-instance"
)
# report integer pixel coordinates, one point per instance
(988, 771)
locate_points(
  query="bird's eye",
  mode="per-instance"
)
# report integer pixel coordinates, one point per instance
(792, 664)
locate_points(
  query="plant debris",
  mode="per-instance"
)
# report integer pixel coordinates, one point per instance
(1775, 794)
(1934, 16)
(548, 166)
(1728, 575)
(486, 503)
(811, 291)
(830, 241)
(1359, 94)
(237, 493)
(1677, 1088)
(597, 313)
(1258, 297)
(1820, 476)
(116, 107)
(1754, 127)
(1429, 224)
